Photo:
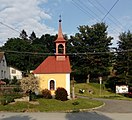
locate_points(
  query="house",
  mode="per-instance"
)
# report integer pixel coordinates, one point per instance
(3, 66)
(55, 70)
(14, 73)
(8, 72)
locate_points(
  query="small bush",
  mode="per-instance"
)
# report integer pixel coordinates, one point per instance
(75, 103)
(46, 94)
(61, 94)
(9, 99)
(17, 89)
(3, 101)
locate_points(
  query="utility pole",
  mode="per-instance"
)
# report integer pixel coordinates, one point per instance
(100, 81)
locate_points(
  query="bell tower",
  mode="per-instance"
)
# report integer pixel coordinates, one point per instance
(60, 44)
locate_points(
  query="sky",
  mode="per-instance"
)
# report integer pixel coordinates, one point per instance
(41, 16)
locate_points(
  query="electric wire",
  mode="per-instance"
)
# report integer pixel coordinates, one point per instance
(77, 53)
(121, 26)
(84, 11)
(110, 10)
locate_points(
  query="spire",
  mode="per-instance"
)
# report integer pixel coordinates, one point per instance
(60, 34)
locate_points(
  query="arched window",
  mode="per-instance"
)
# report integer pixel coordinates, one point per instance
(52, 85)
(60, 49)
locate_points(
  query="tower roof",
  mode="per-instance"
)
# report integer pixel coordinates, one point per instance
(60, 37)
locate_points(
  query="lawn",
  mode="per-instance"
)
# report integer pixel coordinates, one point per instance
(51, 105)
(95, 87)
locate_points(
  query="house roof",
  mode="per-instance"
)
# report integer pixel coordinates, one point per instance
(1, 55)
(51, 65)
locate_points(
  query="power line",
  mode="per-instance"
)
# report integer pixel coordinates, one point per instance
(84, 53)
(83, 10)
(84, 5)
(110, 10)
(9, 27)
(107, 11)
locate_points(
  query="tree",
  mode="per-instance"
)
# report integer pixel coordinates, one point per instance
(32, 37)
(92, 39)
(29, 83)
(23, 35)
(123, 64)
(18, 60)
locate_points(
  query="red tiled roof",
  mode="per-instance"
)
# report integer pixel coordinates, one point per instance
(51, 65)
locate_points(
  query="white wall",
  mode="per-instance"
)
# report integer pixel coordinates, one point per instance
(12, 72)
(68, 84)
(3, 68)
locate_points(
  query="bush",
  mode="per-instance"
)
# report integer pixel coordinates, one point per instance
(61, 94)
(46, 94)
(3, 101)
(17, 89)
(9, 99)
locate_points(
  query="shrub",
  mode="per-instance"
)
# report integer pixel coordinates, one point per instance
(9, 99)
(17, 89)
(46, 94)
(61, 94)
(3, 101)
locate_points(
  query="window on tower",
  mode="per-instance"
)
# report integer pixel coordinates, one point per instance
(60, 49)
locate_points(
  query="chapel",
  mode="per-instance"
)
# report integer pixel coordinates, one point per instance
(55, 70)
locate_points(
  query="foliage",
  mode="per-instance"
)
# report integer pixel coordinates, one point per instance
(111, 83)
(26, 61)
(3, 101)
(61, 94)
(46, 94)
(29, 83)
(14, 81)
(92, 39)
(123, 64)
(17, 89)
(6, 80)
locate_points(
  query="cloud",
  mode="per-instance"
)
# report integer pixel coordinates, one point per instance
(23, 14)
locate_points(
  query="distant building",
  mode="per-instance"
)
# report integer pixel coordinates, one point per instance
(14, 73)
(8, 72)
(55, 70)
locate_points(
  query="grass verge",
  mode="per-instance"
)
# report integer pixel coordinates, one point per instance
(96, 91)
(52, 105)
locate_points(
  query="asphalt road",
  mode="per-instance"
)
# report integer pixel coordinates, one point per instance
(113, 110)
(116, 106)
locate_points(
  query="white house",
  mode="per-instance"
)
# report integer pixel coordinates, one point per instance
(14, 73)
(8, 72)
(3, 66)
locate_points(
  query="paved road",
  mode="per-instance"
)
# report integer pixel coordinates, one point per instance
(116, 106)
(65, 116)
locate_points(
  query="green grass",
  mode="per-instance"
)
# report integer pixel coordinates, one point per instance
(91, 86)
(96, 91)
(51, 105)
